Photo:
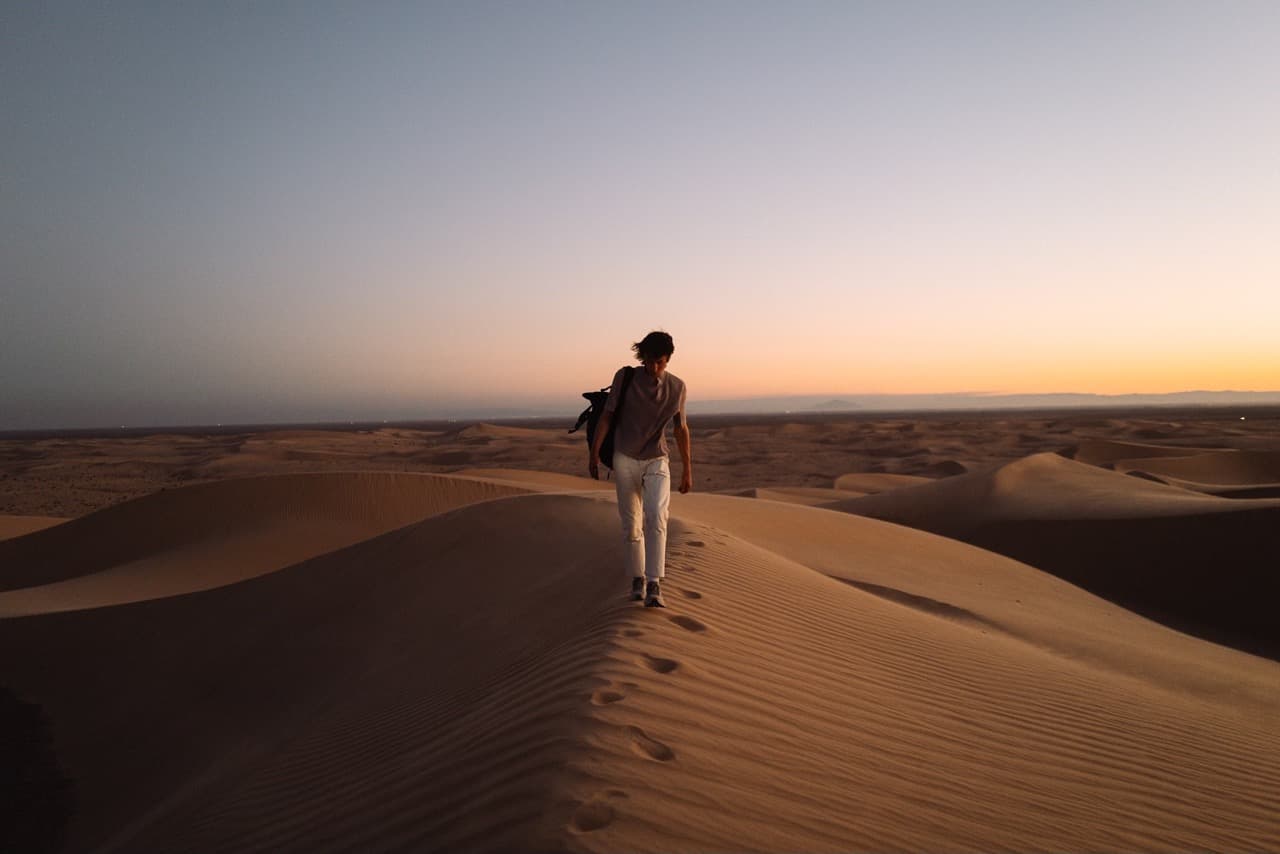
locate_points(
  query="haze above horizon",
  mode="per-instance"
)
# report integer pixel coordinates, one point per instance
(309, 212)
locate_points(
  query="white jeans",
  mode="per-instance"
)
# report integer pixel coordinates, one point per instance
(643, 484)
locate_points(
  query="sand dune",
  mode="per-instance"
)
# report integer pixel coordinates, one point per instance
(489, 432)
(399, 661)
(1218, 469)
(811, 496)
(821, 681)
(198, 537)
(940, 575)
(873, 482)
(1196, 561)
(542, 481)
(946, 468)
(1105, 452)
(1227, 472)
(1259, 490)
(17, 526)
(801, 714)
(375, 695)
(73, 475)
(1036, 487)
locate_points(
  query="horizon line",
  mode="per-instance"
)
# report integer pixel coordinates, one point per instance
(820, 406)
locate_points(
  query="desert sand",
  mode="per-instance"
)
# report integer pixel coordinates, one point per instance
(1028, 631)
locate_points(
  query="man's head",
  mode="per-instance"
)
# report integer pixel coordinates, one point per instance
(655, 350)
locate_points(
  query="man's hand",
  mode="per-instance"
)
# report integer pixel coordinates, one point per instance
(594, 468)
(686, 481)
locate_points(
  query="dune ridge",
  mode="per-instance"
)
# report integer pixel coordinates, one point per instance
(1226, 468)
(873, 482)
(1153, 547)
(831, 719)
(17, 526)
(204, 536)
(1235, 474)
(808, 495)
(1105, 452)
(476, 680)
(943, 575)
(1041, 486)
(346, 665)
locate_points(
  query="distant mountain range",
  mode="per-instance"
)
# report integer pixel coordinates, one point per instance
(977, 401)
(569, 408)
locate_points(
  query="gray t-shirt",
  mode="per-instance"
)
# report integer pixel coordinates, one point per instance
(641, 431)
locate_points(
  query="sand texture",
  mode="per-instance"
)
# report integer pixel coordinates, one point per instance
(1194, 560)
(16, 526)
(336, 659)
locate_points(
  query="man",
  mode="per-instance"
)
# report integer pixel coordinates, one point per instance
(641, 472)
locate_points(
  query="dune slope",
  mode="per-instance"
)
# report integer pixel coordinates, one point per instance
(820, 681)
(1195, 561)
(1105, 452)
(372, 697)
(17, 526)
(792, 712)
(198, 537)
(1226, 468)
(1231, 474)
(940, 575)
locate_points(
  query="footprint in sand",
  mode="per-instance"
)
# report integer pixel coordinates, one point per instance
(689, 623)
(633, 633)
(696, 543)
(691, 594)
(590, 816)
(649, 748)
(660, 665)
(605, 696)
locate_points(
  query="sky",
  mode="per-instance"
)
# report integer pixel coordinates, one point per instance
(289, 211)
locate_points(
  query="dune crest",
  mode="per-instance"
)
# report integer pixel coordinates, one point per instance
(1105, 452)
(791, 712)
(1192, 560)
(539, 480)
(199, 537)
(17, 526)
(873, 482)
(812, 496)
(1223, 470)
(1036, 487)
(907, 564)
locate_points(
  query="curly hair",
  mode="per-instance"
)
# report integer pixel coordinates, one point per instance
(654, 346)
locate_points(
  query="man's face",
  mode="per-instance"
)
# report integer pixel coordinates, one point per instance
(656, 367)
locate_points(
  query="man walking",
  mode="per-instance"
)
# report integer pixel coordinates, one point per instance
(642, 474)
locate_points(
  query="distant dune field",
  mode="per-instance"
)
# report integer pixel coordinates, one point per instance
(293, 647)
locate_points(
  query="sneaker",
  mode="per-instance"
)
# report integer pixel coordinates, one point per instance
(637, 589)
(653, 596)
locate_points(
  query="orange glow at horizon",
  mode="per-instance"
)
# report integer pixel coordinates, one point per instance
(1159, 374)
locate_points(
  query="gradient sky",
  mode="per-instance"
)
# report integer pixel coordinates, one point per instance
(248, 211)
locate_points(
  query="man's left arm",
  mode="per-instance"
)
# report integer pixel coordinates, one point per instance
(684, 443)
